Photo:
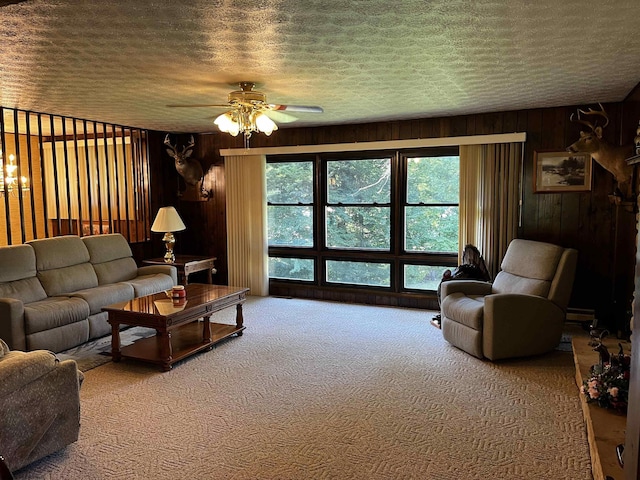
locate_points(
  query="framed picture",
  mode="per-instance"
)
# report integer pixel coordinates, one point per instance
(558, 171)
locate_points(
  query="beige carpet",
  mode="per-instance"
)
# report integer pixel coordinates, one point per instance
(317, 390)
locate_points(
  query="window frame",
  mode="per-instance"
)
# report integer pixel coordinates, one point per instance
(396, 255)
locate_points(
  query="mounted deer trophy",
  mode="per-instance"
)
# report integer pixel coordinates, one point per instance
(611, 157)
(189, 169)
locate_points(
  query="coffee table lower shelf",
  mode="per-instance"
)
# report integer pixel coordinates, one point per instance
(186, 340)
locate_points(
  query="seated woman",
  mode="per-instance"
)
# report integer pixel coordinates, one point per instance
(471, 268)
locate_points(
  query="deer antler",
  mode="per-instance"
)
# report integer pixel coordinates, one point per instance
(583, 122)
(187, 150)
(600, 112)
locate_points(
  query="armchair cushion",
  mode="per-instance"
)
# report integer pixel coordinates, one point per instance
(467, 310)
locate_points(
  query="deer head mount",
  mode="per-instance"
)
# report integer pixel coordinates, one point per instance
(188, 168)
(611, 157)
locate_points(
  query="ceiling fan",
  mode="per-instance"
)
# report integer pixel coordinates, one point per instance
(248, 110)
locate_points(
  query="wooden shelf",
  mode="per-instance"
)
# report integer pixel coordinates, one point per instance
(605, 428)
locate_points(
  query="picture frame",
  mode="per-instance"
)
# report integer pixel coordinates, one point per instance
(561, 171)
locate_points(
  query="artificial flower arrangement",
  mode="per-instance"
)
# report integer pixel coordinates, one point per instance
(608, 383)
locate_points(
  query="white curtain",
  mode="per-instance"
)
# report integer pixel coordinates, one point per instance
(247, 222)
(490, 198)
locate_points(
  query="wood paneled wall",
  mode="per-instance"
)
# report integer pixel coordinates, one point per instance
(586, 221)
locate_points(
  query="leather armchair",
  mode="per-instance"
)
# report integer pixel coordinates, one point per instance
(40, 405)
(521, 313)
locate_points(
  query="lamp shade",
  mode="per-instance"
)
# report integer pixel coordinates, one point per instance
(167, 220)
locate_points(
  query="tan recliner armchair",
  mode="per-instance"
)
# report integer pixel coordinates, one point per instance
(522, 313)
(39, 405)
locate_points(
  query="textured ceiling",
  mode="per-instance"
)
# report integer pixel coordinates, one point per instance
(123, 61)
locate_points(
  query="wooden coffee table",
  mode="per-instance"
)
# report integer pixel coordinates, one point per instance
(179, 334)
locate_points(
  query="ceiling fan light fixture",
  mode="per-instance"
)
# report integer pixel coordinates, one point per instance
(264, 124)
(227, 124)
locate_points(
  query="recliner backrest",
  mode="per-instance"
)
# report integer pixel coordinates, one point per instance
(531, 267)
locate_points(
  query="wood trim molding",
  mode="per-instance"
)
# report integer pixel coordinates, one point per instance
(381, 145)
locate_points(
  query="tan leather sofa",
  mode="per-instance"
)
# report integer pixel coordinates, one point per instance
(52, 290)
(521, 313)
(39, 405)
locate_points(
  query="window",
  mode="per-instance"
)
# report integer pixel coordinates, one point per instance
(431, 208)
(358, 209)
(290, 203)
(430, 216)
(290, 217)
(383, 221)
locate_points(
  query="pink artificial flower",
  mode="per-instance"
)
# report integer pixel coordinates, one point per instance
(582, 389)
(613, 391)
(594, 393)
(592, 383)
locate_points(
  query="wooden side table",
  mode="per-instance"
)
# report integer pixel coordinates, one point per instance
(187, 264)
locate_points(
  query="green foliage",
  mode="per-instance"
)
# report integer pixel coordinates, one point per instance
(359, 273)
(290, 226)
(358, 227)
(431, 229)
(359, 181)
(290, 182)
(433, 180)
(291, 268)
(424, 277)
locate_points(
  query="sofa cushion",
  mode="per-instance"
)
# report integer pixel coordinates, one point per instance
(61, 281)
(63, 265)
(111, 258)
(59, 252)
(103, 295)
(104, 248)
(54, 312)
(26, 290)
(18, 262)
(114, 271)
(60, 338)
(148, 284)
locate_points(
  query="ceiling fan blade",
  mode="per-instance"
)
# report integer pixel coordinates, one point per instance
(280, 117)
(200, 105)
(297, 108)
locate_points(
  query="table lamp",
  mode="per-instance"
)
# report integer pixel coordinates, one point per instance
(168, 221)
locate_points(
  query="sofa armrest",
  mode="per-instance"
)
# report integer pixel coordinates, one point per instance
(12, 323)
(165, 269)
(517, 325)
(468, 287)
(18, 369)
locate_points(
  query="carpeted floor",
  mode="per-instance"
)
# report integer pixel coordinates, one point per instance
(317, 390)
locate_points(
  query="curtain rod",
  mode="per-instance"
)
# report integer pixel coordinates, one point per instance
(381, 145)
